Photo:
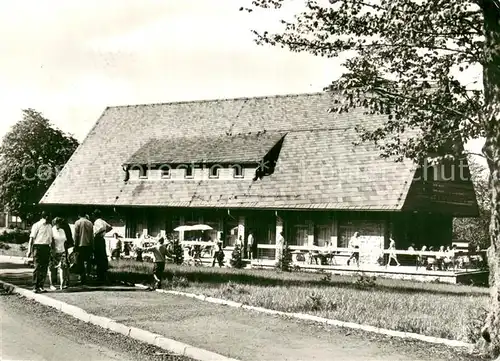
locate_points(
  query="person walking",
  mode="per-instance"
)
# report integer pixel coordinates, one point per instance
(58, 256)
(354, 243)
(84, 238)
(159, 252)
(392, 254)
(39, 246)
(101, 227)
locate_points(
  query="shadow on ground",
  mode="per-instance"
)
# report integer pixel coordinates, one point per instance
(24, 280)
(4, 265)
(215, 279)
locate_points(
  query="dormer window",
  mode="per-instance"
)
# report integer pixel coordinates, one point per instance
(237, 171)
(188, 172)
(166, 173)
(214, 172)
(143, 172)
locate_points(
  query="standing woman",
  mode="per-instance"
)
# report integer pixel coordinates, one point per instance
(70, 242)
(101, 227)
(64, 225)
(58, 256)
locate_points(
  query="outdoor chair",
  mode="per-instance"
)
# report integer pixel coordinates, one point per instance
(460, 260)
(432, 264)
(421, 261)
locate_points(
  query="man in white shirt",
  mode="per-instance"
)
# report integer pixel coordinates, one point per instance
(354, 243)
(84, 243)
(39, 246)
(101, 227)
(250, 245)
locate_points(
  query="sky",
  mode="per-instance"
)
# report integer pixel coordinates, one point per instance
(72, 59)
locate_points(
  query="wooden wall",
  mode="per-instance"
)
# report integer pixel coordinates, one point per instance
(442, 190)
(429, 229)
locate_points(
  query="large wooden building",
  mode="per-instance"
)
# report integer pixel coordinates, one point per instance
(268, 164)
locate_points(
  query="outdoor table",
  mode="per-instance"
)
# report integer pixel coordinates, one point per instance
(295, 254)
(329, 257)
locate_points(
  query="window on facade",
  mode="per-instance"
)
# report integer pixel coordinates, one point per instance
(365, 228)
(165, 173)
(143, 172)
(237, 171)
(214, 172)
(301, 234)
(232, 233)
(324, 234)
(189, 172)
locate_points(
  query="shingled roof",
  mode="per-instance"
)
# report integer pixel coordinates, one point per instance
(318, 166)
(241, 148)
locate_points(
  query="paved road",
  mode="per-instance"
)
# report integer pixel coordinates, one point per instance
(29, 331)
(237, 333)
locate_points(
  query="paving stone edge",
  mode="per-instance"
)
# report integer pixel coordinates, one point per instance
(157, 340)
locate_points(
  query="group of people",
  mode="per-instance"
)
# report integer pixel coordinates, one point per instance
(248, 246)
(443, 261)
(355, 243)
(49, 244)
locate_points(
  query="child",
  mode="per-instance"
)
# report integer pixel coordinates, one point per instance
(218, 255)
(159, 251)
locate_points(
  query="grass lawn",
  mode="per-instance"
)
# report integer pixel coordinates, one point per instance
(441, 310)
(12, 249)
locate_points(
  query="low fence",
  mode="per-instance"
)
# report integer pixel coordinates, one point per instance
(459, 258)
(332, 255)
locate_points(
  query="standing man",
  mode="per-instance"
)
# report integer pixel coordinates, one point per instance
(39, 246)
(101, 227)
(250, 245)
(83, 246)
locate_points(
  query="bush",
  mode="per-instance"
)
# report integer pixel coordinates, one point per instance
(285, 261)
(326, 278)
(233, 289)
(365, 282)
(16, 236)
(314, 302)
(476, 321)
(4, 246)
(177, 282)
(236, 260)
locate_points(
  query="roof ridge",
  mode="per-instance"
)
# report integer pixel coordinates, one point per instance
(213, 100)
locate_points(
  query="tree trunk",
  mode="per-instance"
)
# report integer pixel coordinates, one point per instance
(491, 122)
